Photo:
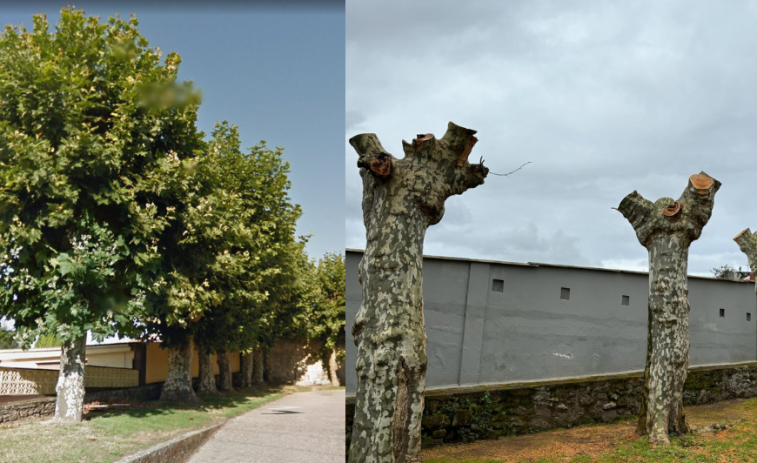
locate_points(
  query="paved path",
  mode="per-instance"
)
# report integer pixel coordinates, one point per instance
(313, 432)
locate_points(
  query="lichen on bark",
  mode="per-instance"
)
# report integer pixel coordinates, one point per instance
(666, 228)
(224, 367)
(401, 199)
(333, 368)
(246, 361)
(69, 404)
(178, 385)
(207, 375)
(747, 242)
(258, 367)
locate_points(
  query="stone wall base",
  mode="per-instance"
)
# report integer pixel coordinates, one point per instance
(45, 406)
(465, 414)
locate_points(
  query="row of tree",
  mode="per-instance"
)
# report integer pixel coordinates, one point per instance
(118, 216)
(402, 198)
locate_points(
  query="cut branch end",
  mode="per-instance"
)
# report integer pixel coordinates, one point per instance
(672, 209)
(702, 182)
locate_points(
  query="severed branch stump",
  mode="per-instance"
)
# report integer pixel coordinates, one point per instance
(747, 242)
(667, 228)
(401, 199)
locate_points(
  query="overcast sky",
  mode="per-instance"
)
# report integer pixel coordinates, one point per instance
(603, 97)
(273, 68)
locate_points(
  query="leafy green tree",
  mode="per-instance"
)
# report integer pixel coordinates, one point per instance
(327, 314)
(7, 340)
(47, 340)
(260, 180)
(87, 113)
(726, 272)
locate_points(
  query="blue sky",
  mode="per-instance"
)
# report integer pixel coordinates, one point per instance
(277, 72)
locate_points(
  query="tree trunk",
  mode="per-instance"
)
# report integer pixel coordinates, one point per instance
(401, 199)
(224, 364)
(178, 385)
(207, 375)
(258, 367)
(748, 244)
(69, 405)
(667, 228)
(246, 361)
(333, 368)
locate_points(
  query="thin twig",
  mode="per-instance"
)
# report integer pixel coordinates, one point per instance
(516, 170)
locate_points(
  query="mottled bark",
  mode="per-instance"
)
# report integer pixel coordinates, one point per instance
(258, 369)
(747, 242)
(224, 365)
(246, 362)
(333, 368)
(207, 375)
(69, 405)
(667, 228)
(178, 385)
(401, 199)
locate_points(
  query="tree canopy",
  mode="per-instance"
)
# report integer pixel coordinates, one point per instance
(87, 113)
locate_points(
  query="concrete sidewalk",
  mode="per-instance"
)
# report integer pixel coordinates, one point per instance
(301, 427)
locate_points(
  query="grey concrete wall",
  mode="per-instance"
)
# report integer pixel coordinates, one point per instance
(527, 332)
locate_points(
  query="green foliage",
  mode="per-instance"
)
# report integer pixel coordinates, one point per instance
(726, 272)
(47, 340)
(89, 118)
(6, 338)
(327, 313)
(229, 249)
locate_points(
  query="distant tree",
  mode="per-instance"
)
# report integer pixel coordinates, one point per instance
(326, 316)
(6, 338)
(87, 112)
(46, 340)
(726, 272)
(267, 219)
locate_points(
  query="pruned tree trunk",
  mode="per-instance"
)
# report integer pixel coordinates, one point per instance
(224, 365)
(178, 385)
(333, 368)
(747, 242)
(258, 369)
(69, 405)
(401, 199)
(667, 228)
(246, 362)
(207, 375)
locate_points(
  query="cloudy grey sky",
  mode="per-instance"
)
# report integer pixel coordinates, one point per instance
(603, 97)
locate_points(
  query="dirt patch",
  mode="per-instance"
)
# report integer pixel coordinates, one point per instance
(564, 444)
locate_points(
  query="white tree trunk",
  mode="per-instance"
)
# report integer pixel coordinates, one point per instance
(747, 242)
(258, 369)
(246, 367)
(667, 228)
(401, 199)
(333, 369)
(178, 385)
(207, 375)
(224, 365)
(69, 405)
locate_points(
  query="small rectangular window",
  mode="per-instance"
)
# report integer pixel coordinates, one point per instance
(498, 286)
(722, 313)
(748, 317)
(565, 293)
(625, 300)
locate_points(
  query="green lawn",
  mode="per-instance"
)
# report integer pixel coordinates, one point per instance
(617, 443)
(106, 437)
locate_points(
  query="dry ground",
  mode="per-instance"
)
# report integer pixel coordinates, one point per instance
(617, 442)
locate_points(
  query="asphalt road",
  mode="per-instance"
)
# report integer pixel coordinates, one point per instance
(301, 427)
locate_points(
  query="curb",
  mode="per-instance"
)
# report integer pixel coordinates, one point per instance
(176, 450)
